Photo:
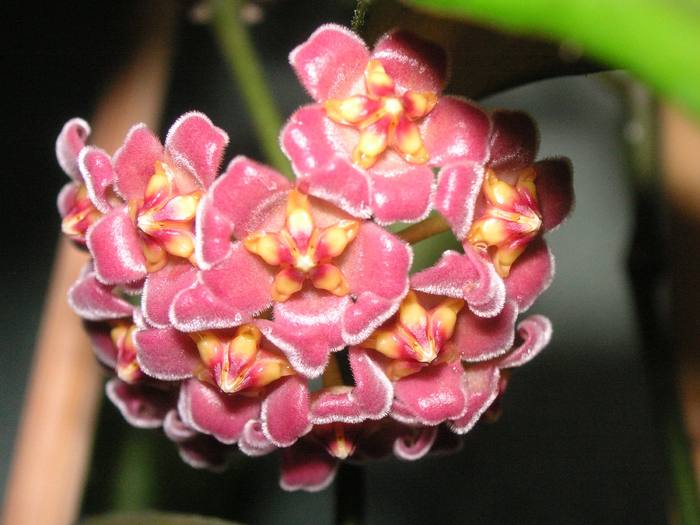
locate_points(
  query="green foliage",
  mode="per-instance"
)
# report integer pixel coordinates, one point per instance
(656, 40)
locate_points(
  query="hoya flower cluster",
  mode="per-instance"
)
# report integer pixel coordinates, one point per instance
(239, 310)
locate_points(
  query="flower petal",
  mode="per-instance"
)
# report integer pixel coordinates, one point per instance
(96, 170)
(531, 274)
(376, 267)
(142, 405)
(253, 441)
(227, 295)
(210, 411)
(415, 445)
(101, 343)
(285, 411)
(465, 276)
(405, 196)
(160, 289)
(306, 467)
(175, 429)
(234, 206)
(116, 248)
(306, 328)
(455, 130)
(480, 339)
(435, 394)
(535, 333)
(413, 63)
(514, 141)
(68, 145)
(458, 187)
(370, 398)
(166, 354)
(94, 301)
(195, 144)
(331, 62)
(66, 198)
(482, 390)
(323, 170)
(135, 161)
(555, 190)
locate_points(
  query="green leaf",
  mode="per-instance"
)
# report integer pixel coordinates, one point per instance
(656, 40)
(153, 518)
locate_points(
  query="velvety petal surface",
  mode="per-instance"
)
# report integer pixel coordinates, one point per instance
(197, 145)
(458, 187)
(370, 398)
(135, 161)
(482, 389)
(535, 333)
(415, 445)
(555, 190)
(160, 289)
(307, 328)
(208, 410)
(70, 141)
(253, 441)
(531, 274)
(227, 295)
(514, 140)
(376, 267)
(479, 339)
(116, 248)
(166, 354)
(405, 196)
(142, 405)
(331, 62)
(96, 170)
(94, 301)
(435, 394)
(413, 63)
(306, 467)
(235, 206)
(285, 411)
(101, 343)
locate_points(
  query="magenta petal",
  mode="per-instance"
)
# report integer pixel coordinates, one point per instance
(535, 332)
(94, 301)
(68, 145)
(66, 198)
(514, 141)
(414, 64)
(331, 62)
(405, 196)
(175, 429)
(227, 295)
(370, 398)
(531, 274)
(465, 276)
(435, 394)
(210, 411)
(253, 441)
(116, 248)
(96, 169)
(456, 130)
(285, 411)
(306, 467)
(555, 190)
(376, 267)
(166, 354)
(142, 405)
(160, 289)
(306, 328)
(415, 445)
(480, 339)
(101, 343)
(482, 390)
(135, 161)
(458, 187)
(234, 206)
(195, 144)
(204, 452)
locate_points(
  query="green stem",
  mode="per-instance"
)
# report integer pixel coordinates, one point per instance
(358, 17)
(237, 47)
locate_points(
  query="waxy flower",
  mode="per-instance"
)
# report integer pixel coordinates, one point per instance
(150, 197)
(379, 124)
(500, 211)
(329, 278)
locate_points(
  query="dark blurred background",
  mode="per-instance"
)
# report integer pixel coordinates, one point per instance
(575, 442)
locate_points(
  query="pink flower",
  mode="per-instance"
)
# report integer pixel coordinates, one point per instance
(500, 212)
(379, 124)
(330, 279)
(148, 195)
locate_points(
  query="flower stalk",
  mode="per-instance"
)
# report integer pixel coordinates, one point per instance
(422, 230)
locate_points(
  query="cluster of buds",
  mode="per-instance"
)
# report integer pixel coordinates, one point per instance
(246, 312)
